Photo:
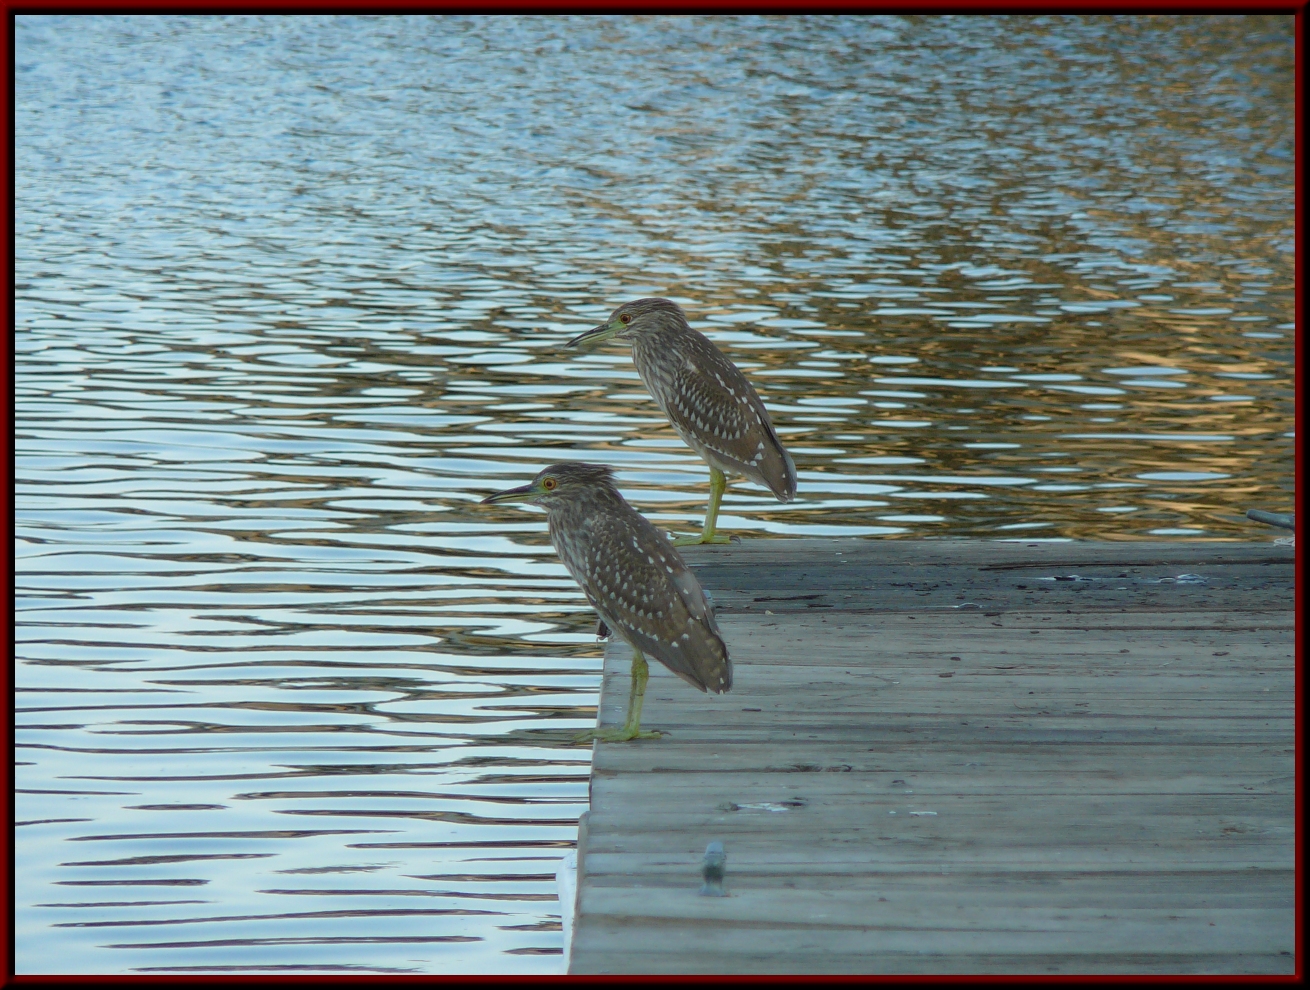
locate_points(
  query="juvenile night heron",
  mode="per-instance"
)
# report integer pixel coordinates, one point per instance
(707, 399)
(633, 577)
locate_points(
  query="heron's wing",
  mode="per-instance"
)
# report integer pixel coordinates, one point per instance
(643, 590)
(712, 405)
(711, 399)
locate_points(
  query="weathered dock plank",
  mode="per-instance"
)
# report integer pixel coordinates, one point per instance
(1087, 768)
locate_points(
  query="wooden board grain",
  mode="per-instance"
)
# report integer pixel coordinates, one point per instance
(1049, 784)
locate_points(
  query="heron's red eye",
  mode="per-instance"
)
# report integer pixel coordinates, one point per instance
(626, 318)
(549, 484)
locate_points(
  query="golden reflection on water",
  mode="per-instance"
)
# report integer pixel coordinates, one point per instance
(1158, 407)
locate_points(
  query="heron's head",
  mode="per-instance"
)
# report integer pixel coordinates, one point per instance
(632, 319)
(560, 483)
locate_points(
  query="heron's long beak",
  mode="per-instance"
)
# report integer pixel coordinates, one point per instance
(595, 335)
(525, 493)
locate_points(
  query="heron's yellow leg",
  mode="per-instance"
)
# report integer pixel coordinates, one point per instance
(718, 485)
(640, 674)
(636, 695)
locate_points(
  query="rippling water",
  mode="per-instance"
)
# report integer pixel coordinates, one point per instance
(290, 300)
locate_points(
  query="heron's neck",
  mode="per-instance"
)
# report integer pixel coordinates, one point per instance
(653, 349)
(573, 515)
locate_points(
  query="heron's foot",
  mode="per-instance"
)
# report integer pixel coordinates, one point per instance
(614, 735)
(691, 541)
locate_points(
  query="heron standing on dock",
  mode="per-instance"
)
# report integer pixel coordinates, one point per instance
(707, 399)
(635, 580)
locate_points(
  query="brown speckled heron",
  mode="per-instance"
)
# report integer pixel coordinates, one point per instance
(633, 577)
(707, 399)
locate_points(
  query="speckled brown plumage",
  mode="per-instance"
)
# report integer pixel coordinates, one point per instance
(707, 399)
(633, 577)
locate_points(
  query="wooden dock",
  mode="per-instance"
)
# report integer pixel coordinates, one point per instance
(960, 757)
